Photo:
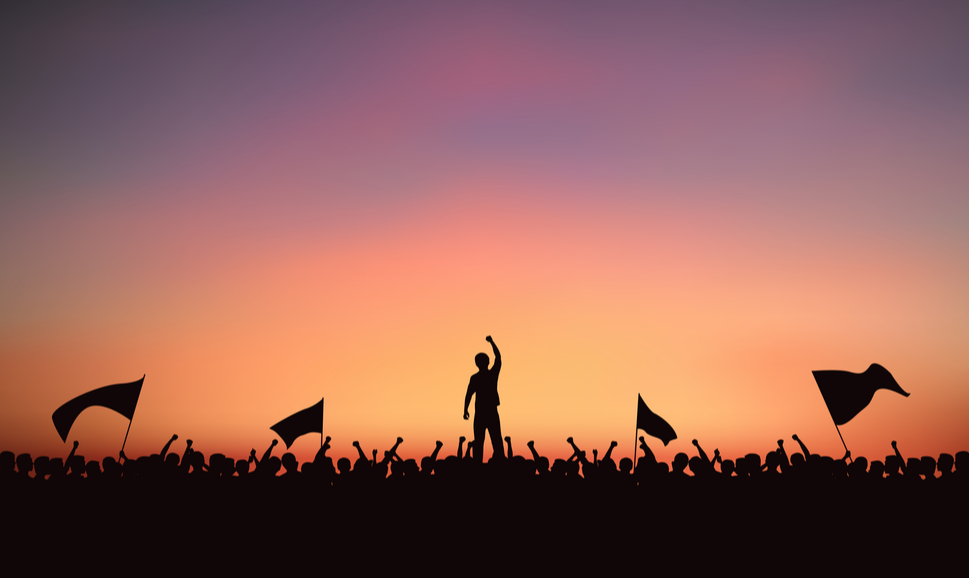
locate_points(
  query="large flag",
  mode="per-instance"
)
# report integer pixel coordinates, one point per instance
(653, 424)
(305, 421)
(846, 394)
(121, 397)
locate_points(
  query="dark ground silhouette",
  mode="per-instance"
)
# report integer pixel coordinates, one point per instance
(753, 514)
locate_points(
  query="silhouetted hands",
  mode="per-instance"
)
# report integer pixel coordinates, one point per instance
(893, 444)
(488, 338)
(794, 437)
(175, 437)
(76, 444)
(466, 414)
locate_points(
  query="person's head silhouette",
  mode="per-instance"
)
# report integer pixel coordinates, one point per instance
(481, 361)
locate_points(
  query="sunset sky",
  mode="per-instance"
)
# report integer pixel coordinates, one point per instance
(259, 205)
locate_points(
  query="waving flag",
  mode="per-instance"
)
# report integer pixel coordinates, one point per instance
(653, 424)
(121, 397)
(305, 421)
(846, 394)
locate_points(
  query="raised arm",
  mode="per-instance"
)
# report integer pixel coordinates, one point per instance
(578, 453)
(393, 451)
(74, 449)
(322, 452)
(609, 452)
(269, 451)
(783, 455)
(801, 445)
(184, 463)
(167, 445)
(360, 453)
(498, 356)
(647, 452)
(437, 448)
(899, 457)
(532, 448)
(700, 452)
(508, 440)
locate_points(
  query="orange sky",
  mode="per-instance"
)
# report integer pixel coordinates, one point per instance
(343, 204)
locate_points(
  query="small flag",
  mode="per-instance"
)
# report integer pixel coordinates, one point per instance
(121, 397)
(305, 421)
(846, 394)
(653, 424)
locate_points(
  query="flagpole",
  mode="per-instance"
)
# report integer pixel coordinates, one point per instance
(126, 435)
(635, 430)
(321, 422)
(841, 438)
(132, 418)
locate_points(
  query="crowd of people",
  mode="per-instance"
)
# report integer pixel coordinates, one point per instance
(378, 510)
(461, 465)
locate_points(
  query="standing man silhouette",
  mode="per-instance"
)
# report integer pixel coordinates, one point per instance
(484, 386)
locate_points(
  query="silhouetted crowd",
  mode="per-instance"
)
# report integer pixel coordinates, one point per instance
(462, 467)
(756, 514)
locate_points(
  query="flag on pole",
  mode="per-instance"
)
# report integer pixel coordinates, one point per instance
(121, 397)
(653, 424)
(846, 394)
(309, 420)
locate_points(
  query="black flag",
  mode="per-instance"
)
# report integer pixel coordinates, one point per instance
(305, 421)
(121, 397)
(653, 424)
(846, 394)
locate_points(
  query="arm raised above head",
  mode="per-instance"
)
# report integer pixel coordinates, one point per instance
(269, 451)
(532, 448)
(168, 445)
(498, 356)
(437, 448)
(360, 452)
(609, 452)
